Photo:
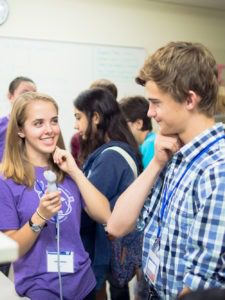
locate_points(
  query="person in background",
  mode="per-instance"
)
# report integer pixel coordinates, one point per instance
(183, 216)
(17, 87)
(105, 84)
(135, 110)
(102, 126)
(99, 83)
(30, 213)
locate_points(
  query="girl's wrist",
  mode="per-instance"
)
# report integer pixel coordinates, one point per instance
(41, 215)
(37, 218)
(76, 173)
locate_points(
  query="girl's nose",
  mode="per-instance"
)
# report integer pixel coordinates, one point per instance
(48, 127)
(76, 125)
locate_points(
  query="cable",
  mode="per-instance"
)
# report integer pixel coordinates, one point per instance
(51, 187)
(58, 256)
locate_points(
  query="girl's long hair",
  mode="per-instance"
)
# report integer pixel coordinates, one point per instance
(15, 163)
(112, 124)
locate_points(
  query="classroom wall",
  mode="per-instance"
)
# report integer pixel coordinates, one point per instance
(131, 23)
(140, 23)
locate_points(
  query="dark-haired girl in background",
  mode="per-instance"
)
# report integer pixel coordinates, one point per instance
(102, 126)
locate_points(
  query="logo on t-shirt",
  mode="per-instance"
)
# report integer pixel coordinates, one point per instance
(66, 200)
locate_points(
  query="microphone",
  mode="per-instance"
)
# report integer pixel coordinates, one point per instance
(51, 187)
(51, 179)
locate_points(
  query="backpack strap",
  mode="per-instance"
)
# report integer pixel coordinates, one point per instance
(127, 157)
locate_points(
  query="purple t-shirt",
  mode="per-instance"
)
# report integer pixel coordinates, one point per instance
(3, 128)
(18, 203)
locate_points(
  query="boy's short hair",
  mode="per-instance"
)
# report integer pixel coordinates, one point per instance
(180, 67)
(135, 108)
(105, 84)
(17, 81)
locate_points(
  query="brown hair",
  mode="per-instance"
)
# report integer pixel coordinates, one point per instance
(15, 162)
(135, 108)
(220, 104)
(105, 84)
(17, 81)
(180, 67)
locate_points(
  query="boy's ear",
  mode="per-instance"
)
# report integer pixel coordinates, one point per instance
(192, 100)
(10, 97)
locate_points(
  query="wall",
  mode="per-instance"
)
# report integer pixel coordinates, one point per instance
(139, 23)
(132, 23)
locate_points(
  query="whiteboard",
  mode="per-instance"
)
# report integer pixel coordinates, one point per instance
(64, 69)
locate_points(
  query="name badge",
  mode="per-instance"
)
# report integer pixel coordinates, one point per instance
(153, 262)
(152, 267)
(66, 261)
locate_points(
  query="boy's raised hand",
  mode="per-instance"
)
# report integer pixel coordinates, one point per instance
(165, 147)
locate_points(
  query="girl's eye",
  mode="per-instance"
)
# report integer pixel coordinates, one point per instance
(55, 121)
(38, 123)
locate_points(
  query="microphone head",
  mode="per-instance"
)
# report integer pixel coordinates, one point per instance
(50, 176)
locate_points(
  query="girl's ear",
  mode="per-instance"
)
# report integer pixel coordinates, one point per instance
(139, 124)
(96, 118)
(20, 133)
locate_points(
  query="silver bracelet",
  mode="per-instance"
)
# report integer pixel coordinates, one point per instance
(43, 218)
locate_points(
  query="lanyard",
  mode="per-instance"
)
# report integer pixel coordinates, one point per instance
(40, 187)
(165, 200)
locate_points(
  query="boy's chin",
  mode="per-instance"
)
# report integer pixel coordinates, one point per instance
(166, 131)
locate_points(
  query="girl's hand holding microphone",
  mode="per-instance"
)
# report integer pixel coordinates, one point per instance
(49, 205)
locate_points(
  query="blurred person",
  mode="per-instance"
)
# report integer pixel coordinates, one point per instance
(103, 128)
(98, 83)
(18, 86)
(135, 110)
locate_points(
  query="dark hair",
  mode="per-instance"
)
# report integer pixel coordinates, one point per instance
(180, 67)
(105, 84)
(112, 123)
(135, 108)
(16, 82)
(209, 294)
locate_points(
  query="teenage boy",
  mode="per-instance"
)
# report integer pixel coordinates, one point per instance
(184, 214)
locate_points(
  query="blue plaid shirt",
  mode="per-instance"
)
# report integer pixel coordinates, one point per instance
(192, 244)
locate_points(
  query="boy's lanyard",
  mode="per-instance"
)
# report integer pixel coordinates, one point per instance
(165, 199)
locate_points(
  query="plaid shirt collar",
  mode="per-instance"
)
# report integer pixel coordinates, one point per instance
(199, 143)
